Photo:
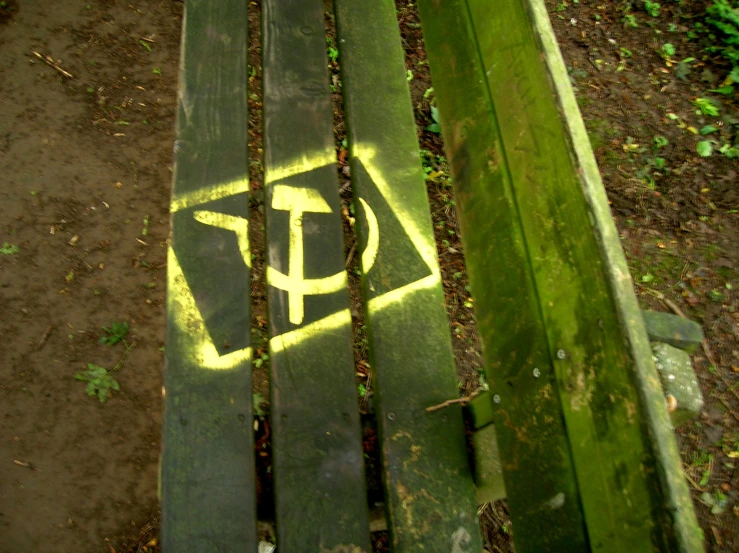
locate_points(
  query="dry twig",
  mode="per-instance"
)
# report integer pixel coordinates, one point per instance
(50, 62)
(448, 402)
(44, 337)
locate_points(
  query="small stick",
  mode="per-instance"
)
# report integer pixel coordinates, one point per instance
(50, 63)
(728, 406)
(716, 536)
(125, 354)
(44, 337)
(351, 255)
(24, 464)
(696, 486)
(448, 402)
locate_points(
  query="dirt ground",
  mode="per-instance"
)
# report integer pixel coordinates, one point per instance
(84, 161)
(85, 165)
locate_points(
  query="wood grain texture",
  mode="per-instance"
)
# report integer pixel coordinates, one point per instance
(318, 466)
(533, 440)
(208, 479)
(429, 493)
(597, 376)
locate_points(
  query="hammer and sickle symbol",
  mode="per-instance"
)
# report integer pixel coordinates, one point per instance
(297, 202)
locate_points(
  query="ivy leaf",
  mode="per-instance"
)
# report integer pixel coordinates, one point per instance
(708, 129)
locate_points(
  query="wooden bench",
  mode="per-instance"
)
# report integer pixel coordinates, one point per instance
(587, 452)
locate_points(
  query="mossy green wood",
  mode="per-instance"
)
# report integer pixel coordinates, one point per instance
(208, 478)
(628, 471)
(320, 491)
(533, 441)
(430, 498)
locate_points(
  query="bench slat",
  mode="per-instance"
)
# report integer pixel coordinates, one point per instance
(320, 492)
(208, 477)
(599, 366)
(431, 504)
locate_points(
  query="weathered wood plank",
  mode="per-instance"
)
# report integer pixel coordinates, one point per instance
(531, 433)
(429, 493)
(208, 479)
(628, 471)
(318, 462)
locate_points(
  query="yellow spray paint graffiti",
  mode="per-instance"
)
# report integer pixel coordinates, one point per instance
(297, 202)
(238, 225)
(186, 315)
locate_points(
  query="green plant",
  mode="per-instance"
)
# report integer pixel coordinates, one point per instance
(116, 333)
(436, 125)
(659, 142)
(100, 383)
(652, 8)
(259, 361)
(9, 249)
(668, 50)
(723, 18)
(409, 75)
(257, 402)
(706, 106)
(362, 390)
(729, 151)
(333, 54)
(629, 20)
(717, 501)
(704, 148)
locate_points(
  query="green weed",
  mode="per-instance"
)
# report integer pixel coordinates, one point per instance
(9, 249)
(333, 54)
(723, 18)
(706, 106)
(257, 402)
(259, 361)
(629, 20)
(100, 383)
(116, 333)
(652, 8)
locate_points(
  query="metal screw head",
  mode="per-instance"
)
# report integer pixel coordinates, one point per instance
(496, 398)
(561, 354)
(537, 373)
(391, 416)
